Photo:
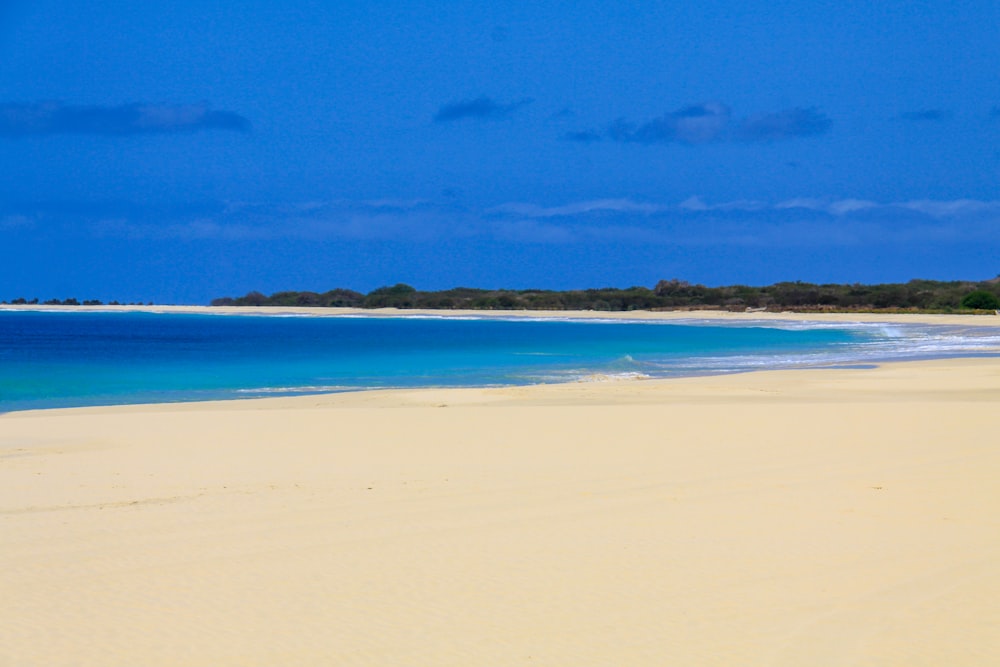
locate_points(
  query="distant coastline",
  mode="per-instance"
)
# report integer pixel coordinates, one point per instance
(915, 296)
(679, 315)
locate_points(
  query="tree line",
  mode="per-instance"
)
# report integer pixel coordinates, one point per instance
(72, 301)
(913, 296)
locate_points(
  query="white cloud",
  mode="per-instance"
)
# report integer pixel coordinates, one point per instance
(958, 207)
(697, 204)
(578, 208)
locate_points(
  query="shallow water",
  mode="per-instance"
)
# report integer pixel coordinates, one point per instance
(62, 359)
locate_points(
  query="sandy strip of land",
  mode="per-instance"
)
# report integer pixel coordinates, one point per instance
(834, 517)
(979, 320)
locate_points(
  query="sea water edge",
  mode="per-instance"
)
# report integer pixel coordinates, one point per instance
(76, 375)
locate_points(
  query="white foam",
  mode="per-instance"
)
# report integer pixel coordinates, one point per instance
(612, 377)
(308, 389)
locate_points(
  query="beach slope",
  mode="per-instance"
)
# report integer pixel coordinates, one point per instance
(820, 517)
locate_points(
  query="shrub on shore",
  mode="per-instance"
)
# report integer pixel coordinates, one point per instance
(981, 300)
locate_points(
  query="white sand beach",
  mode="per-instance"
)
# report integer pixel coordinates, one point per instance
(821, 517)
(979, 320)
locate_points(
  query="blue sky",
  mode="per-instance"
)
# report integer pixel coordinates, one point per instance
(180, 151)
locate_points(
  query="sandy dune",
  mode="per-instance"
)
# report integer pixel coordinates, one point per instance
(835, 517)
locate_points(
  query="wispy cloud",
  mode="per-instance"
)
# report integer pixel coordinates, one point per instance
(51, 118)
(834, 207)
(710, 122)
(697, 204)
(577, 208)
(482, 108)
(937, 209)
(799, 222)
(694, 124)
(793, 223)
(954, 208)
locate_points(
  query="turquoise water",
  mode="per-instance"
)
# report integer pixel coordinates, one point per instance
(63, 359)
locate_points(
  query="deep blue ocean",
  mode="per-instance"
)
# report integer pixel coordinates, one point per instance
(65, 359)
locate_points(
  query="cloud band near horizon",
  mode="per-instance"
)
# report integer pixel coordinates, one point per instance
(54, 118)
(711, 122)
(797, 223)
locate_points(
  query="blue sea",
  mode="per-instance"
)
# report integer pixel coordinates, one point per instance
(66, 359)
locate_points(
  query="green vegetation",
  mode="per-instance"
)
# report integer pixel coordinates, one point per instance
(928, 296)
(981, 300)
(21, 301)
(914, 296)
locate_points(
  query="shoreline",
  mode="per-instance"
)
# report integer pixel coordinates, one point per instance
(985, 320)
(976, 372)
(977, 349)
(838, 516)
